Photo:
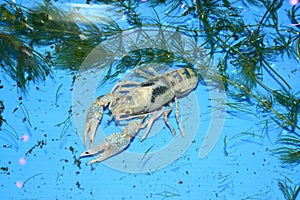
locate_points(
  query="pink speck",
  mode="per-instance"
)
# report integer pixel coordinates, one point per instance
(22, 161)
(182, 6)
(19, 184)
(25, 138)
(143, 0)
(294, 2)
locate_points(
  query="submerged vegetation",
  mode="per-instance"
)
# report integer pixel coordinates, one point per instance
(243, 52)
(289, 192)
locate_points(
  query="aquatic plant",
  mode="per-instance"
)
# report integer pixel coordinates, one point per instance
(289, 153)
(243, 52)
(289, 192)
(18, 59)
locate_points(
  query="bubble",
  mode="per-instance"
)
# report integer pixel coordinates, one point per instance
(19, 184)
(25, 138)
(294, 2)
(22, 161)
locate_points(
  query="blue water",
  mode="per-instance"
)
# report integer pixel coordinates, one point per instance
(41, 143)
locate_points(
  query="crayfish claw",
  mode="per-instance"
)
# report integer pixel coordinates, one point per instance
(93, 119)
(112, 145)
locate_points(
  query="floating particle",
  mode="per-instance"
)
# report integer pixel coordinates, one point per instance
(19, 184)
(25, 138)
(22, 161)
(294, 2)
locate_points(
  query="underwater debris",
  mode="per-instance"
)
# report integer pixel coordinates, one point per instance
(247, 50)
(40, 144)
(21, 184)
(168, 193)
(145, 154)
(1, 111)
(5, 170)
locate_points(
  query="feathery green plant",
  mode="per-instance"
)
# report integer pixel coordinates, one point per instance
(243, 52)
(289, 192)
